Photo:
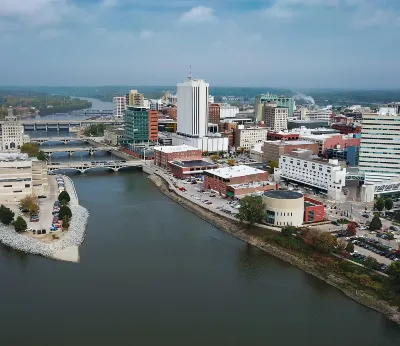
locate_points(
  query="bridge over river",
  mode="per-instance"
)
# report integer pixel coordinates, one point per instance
(84, 166)
(71, 150)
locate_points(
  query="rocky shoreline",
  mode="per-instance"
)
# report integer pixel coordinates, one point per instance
(73, 237)
(236, 229)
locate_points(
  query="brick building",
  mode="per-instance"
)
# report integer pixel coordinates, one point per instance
(282, 136)
(236, 177)
(313, 210)
(272, 150)
(214, 113)
(170, 111)
(228, 130)
(164, 155)
(184, 169)
(333, 141)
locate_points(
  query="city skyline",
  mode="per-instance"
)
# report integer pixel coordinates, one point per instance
(281, 43)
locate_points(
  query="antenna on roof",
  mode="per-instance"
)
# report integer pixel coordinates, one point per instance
(190, 72)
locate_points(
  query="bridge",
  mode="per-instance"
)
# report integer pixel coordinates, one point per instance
(71, 150)
(45, 125)
(84, 166)
(92, 112)
(65, 140)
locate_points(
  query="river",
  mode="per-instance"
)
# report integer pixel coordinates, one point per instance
(153, 273)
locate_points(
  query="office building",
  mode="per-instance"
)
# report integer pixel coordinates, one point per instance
(11, 133)
(228, 111)
(214, 113)
(349, 155)
(165, 154)
(141, 126)
(379, 157)
(300, 166)
(248, 137)
(273, 150)
(275, 117)
(332, 141)
(281, 101)
(228, 130)
(119, 106)
(134, 98)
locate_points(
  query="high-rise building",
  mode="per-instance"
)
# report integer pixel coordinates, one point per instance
(275, 117)
(11, 134)
(228, 111)
(141, 125)
(379, 157)
(214, 113)
(192, 98)
(281, 101)
(119, 105)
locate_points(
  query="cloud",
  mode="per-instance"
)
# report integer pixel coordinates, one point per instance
(145, 34)
(109, 3)
(279, 11)
(198, 14)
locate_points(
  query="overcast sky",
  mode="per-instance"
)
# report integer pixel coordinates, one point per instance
(275, 43)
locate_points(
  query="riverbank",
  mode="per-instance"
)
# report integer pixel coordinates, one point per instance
(236, 229)
(66, 248)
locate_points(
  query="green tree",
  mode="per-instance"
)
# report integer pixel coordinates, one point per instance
(272, 165)
(388, 203)
(350, 247)
(371, 263)
(390, 236)
(394, 271)
(95, 130)
(31, 149)
(287, 231)
(66, 221)
(6, 215)
(324, 242)
(29, 203)
(19, 224)
(380, 204)
(375, 223)
(41, 156)
(64, 196)
(64, 211)
(214, 158)
(221, 153)
(252, 209)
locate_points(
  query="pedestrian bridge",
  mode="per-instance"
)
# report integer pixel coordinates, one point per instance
(84, 166)
(71, 150)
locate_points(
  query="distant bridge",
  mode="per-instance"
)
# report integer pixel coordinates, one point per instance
(84, 166)
(71, 150)
(65, 140)
(93, 112)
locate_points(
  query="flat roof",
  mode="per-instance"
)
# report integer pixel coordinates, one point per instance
(295, 142)
(234, 171)
(174, 148)
(283, 194)
(193, 163)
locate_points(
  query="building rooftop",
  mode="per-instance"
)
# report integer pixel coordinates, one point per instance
(283, 194)
(295, 142)
(252, 184)
(174, 148)
(234, 171)
(194, 163)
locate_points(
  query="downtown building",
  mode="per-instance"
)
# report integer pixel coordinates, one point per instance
(192, 117)
(119, 106)
(12, 134)
(281, 101)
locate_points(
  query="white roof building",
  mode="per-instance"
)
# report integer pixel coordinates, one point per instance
(234, 171)
(174, 148)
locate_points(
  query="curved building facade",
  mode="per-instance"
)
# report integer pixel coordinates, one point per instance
(284, 208)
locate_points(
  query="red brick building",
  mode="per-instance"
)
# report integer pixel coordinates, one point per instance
(164, 154)
(275, 136)
(184, 169)
(346, 129)
(228, 130)
(313, 210)
(153, 125)
(214, 113)
(171, 112)
(220, 179)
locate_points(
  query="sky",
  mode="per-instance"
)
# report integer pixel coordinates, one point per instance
(275, 43)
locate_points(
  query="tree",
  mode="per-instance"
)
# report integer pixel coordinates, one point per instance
(287, 231)
(375, 223)
(205, 153)
(31, 149)
(95, 130)
(371, 263)
(64, 211)
(66, 221)
(30, 204)
(214, 158)
(19, 224)
(324, 242)
(394, 271)
(341, 244)
(221, 153)
(6, 215)
(390, 236)
(272, 165)
(41, 156)
(350, 247)
(252, 209)
(380, 204)
(388, 203)
(351, 229)
(64, 196)
(231, 162)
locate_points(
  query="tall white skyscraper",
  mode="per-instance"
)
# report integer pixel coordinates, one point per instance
(192, 104)
(119, 106)
(379, 156)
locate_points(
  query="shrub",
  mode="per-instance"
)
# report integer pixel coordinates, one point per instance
(6, 215)
(19, 224)
(64, 211)
(64, 196)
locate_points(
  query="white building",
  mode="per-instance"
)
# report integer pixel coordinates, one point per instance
(119, 106)
(250, 136)
(304, 113)
(156, 104)
(11, 134)
(192, 112)
(256, 153)
(275, 117)
(228, 111)
(210, 99)
(379, 157)
(210, 143)
(299, 166)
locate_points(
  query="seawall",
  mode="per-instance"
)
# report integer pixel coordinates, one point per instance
(69, 243)
(236, 229)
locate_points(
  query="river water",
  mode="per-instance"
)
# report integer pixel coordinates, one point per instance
(153, 273)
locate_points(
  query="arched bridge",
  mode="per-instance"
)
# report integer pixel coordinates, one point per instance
(88, 165)
(71, 150)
